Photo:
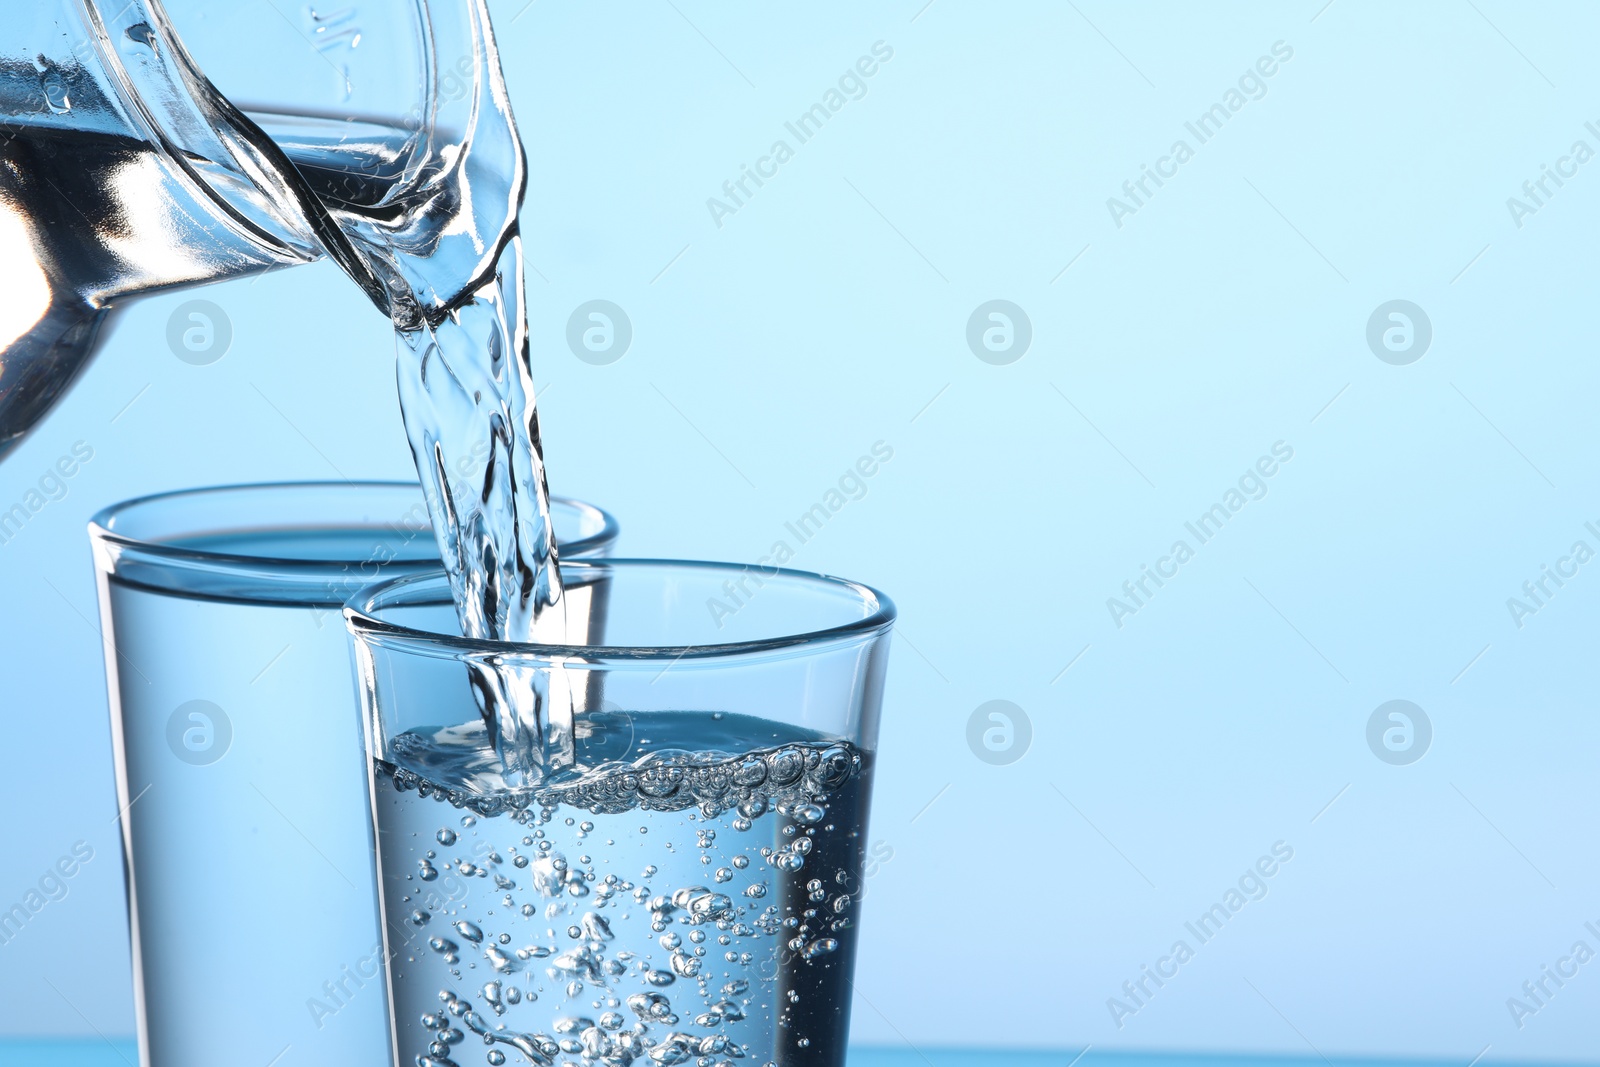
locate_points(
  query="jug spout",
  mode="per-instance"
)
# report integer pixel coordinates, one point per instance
(42, 363)
(111, 185)
(125, 171)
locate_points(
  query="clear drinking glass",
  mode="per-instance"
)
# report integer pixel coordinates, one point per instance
(684, 888)
(239, 761)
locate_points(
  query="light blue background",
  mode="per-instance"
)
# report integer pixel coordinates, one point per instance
(830, 313)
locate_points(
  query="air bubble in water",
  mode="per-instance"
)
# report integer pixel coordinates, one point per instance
(753, 806)
(751, 772)
(568, 1024)
(834, 766)
(809, 814)
(652, 1008)
(786, 766)
(596, 928)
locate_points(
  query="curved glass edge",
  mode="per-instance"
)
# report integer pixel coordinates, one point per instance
(185, 570)
(430, 588)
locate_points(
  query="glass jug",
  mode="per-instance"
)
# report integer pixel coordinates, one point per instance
(125, 170)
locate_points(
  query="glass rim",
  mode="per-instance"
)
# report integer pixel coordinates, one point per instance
(102, 525)
(364, 625)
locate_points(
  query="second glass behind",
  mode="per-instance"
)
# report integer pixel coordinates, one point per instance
(251, 900)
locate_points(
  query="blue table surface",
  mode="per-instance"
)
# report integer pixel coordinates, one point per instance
(99, 1053)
